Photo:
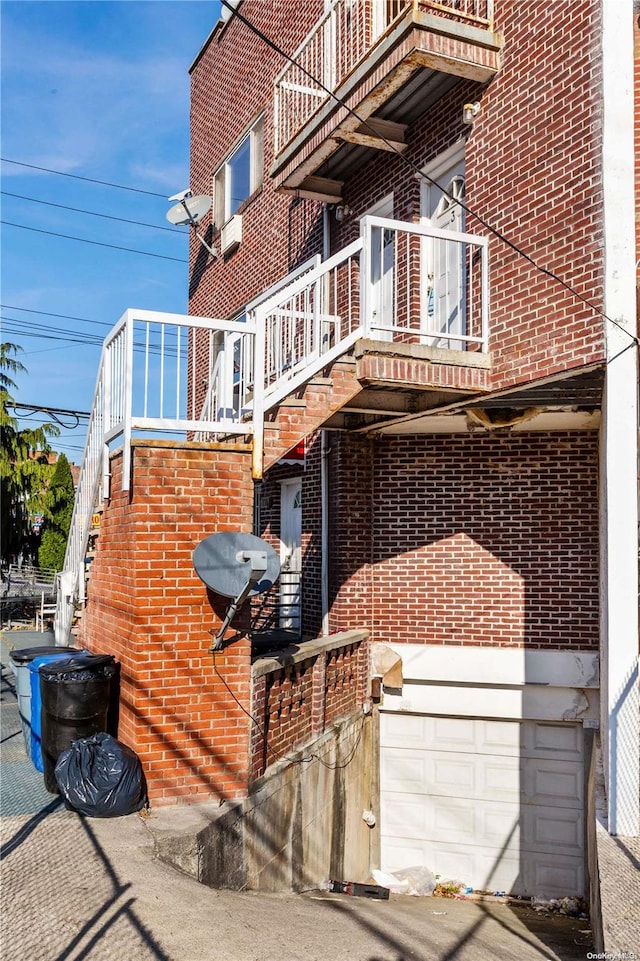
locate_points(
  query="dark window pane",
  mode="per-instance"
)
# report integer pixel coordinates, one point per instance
(239, 171)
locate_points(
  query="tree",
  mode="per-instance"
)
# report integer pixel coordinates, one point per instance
(57, 516)
(24, 462)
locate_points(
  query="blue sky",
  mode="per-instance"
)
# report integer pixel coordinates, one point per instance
(99, 90)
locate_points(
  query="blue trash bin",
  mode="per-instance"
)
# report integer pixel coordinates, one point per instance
(20, 661)
(35, 752)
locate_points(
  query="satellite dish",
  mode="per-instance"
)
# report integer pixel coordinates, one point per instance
(223, 562)
(236, 566)
(190, 210)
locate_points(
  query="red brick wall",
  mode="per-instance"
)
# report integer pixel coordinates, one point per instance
(231, 84)
(341, 683)
(533, 171)
(147, 606)
(351, 532)
(296, 703)
(487, 540)
(468, 539)
(283, 701)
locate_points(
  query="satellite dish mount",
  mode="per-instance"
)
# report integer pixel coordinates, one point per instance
(190, 210)
(237, 566)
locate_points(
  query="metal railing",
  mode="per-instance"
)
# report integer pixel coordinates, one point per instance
(309, 323)
(425, 285)
(200, 378)
(339, 42)
(152, 370)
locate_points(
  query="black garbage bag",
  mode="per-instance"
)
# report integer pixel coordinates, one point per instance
(100, 777)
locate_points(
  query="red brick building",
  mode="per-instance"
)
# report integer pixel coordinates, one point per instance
(423, 221)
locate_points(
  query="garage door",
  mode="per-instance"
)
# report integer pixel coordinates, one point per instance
(498, 805)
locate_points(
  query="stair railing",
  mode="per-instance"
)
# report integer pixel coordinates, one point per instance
(149, 381)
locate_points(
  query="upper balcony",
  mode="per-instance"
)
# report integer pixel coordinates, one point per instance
(388, 62)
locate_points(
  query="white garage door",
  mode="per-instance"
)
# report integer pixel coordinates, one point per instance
(495, 804)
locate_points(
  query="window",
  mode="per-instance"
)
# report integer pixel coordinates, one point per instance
(239, 175)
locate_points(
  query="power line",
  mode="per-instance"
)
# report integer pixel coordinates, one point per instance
(45, 333)
(93, 213)
(420, 173)
(91, 180)
(48, 313)
(25, 328)
(95, 243)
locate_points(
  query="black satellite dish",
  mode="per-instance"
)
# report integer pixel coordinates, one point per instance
(236, 566)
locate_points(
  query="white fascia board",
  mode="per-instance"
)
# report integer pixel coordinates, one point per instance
(498, 665)
(507, 703)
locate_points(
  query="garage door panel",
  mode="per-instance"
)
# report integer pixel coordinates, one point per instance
(502, 871)
(405, 730)
(406, 815)
(553, 740)
(453, 775)
(455, 862)
(445, 819)
(474, 776)
(407, 770)
(529, 829)
(508, 820)
(555, 878)
(560, 783)
(498, 779)
(552, 830)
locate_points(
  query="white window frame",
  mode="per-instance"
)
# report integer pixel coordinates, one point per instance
(222, 181)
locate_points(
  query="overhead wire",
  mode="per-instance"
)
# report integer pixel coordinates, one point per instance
(95, 243)
(48, 313)
(94, 213)
(422, 175)
(91, 180)
(13, 325)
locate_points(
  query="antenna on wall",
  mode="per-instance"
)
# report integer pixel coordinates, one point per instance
(190, 210)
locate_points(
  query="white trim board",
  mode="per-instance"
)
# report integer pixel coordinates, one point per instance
(512, 684)
(497, 665)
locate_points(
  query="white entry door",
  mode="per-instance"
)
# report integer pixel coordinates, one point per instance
(444, 295)
(496, 804)
(382, 272)
(290, 554)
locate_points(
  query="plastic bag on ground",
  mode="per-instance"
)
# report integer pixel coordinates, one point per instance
(417, 881)
(100, 777)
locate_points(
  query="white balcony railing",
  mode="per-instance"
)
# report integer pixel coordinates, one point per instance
(173, 375)
(150, 378)
(338, 43)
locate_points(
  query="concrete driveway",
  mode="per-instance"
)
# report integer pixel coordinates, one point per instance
(82, 889)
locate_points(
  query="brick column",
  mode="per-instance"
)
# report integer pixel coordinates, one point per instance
(182, 713)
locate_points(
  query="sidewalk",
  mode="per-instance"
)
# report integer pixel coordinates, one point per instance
(87, 889)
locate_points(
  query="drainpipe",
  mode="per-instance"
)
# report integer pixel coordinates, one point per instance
(324, 473)
(326, 232)
(324, 534)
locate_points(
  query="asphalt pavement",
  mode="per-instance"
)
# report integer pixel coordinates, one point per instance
(91, 889)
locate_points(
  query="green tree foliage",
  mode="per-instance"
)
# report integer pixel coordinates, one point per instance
(57, 516)
(24, 466)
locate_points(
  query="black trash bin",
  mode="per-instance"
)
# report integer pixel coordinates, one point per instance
(75, 695)
(20, 661)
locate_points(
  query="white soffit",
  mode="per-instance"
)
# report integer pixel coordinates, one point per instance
(458, 423)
